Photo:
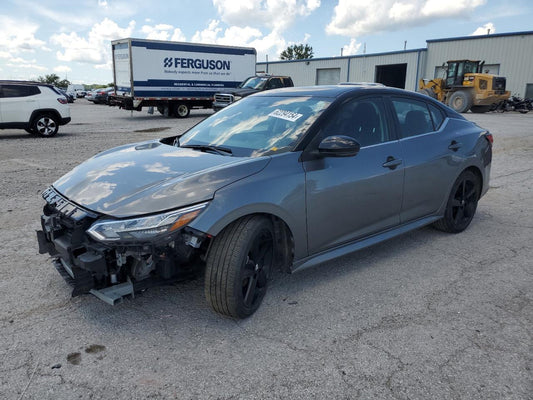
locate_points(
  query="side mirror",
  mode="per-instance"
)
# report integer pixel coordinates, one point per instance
(338, 146)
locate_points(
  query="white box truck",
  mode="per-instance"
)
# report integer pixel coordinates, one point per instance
(175, 76)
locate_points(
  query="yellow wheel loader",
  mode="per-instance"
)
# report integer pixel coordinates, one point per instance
(465, 87)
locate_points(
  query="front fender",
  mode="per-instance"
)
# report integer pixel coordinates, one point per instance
(277, 190)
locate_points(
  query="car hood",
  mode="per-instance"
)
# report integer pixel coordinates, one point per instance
(150, 177)
(241, 92)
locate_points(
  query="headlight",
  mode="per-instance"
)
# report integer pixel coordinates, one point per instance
(235, 98)
(144, 228)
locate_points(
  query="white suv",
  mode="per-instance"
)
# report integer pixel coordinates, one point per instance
(36, 107)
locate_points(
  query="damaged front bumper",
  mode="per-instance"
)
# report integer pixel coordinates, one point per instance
(111, 271)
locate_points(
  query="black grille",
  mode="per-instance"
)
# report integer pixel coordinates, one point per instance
(498, 84)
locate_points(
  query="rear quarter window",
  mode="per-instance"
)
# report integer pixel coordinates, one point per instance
(437, 116)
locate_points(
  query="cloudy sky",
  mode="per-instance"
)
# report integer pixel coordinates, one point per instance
(72, 38)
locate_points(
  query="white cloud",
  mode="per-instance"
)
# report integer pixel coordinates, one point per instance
(18, 63)
(62, 68)
(245, 36)
(364, 17)
(274, 14)
(178, 36)
(96, 47)
(163, 32)
(351, 48)
(483, 30)
(18, 36)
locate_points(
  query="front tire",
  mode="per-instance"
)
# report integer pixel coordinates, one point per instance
(460, 101)
(238, 266)
(45, 125)
(461, 205)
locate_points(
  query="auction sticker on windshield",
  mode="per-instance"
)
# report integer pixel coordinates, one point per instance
(286, 115)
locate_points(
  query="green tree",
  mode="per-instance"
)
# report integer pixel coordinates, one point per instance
(297, 52)
(53, 79)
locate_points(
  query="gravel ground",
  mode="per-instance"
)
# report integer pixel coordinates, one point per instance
(427, 315)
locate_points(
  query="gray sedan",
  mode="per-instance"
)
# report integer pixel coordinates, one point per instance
(288, 179)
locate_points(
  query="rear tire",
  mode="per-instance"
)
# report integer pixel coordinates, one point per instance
(238, 266)
(460, 101)
(182, 110)
(45, 125)
(461, 205)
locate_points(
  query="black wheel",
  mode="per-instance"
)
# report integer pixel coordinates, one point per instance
(460, 101)
(182, 110)
(45, 125)
(428, 92)
(480, 109)
(238, 266)
(461, 205)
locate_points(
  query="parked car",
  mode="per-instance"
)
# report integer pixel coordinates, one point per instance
(36, 107)
(90, 95)
(70, 98)
(81, 94)
(100, 96)
(287, 178)
(251, 85)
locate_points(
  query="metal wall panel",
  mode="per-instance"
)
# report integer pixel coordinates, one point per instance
(512, 53)
(360, 68)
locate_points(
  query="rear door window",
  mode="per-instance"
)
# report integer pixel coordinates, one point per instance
(19, 90)
(413, 115)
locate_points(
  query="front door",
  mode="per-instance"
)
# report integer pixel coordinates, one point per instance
(349, 198)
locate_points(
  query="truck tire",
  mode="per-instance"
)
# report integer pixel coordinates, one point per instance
(460, 101)
(428, 92)
(182, 110)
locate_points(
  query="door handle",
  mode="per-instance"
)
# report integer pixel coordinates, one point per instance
(454, 145)
(392, 162)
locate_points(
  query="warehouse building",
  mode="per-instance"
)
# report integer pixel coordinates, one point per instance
(505, 54)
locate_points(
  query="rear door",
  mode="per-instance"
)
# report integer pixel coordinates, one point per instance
(18, 102)
(352, 197)
(430, 167)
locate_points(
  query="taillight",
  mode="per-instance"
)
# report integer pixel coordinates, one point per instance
(62, 100)
(489, 137)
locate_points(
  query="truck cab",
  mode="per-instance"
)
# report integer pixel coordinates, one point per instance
(249, 86)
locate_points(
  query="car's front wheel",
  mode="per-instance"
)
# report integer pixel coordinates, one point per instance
(462, 204)
(45, 125)
(238, 266)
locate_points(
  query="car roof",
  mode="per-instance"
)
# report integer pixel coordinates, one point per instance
(33, 83)
(328, 90)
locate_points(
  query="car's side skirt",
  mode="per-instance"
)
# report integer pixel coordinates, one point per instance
(351, 247)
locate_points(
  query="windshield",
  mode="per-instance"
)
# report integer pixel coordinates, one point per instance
(257, 126)
(254, 82)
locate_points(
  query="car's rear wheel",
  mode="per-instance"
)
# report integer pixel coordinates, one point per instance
(45, 125)
(238, 266)
(461, 205)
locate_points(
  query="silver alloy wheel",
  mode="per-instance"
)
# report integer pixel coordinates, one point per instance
(46, 126)
(182, 110)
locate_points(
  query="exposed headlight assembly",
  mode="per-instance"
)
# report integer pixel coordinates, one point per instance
(144, 228)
